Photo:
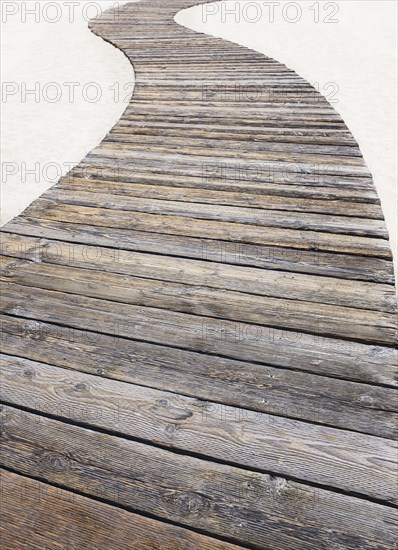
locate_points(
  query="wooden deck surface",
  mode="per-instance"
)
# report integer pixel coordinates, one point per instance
(199, 320)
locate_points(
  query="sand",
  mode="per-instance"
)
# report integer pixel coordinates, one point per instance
(45, 133)
(351, 61)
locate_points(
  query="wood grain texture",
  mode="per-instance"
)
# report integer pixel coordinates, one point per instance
(216, 498)
(355, 406)
(300, 287)
(237, 340)
(230, 434)
(199, 321)
(82, 523)
(315, 261)
(213, 303)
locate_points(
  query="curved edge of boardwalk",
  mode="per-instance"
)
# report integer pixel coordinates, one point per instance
(199, 320)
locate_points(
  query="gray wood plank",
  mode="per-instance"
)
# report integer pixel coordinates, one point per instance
(284, 392)
(195, 227)
(258, 441)
(27, 524)
(219, 499)
(211, 250)
(298, 315)
(325, 290)
(265, 345)
(316, 262)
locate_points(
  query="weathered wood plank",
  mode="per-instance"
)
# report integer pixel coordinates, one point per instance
(249, 143)
(82, 522)
(247, 151)
(242, 215)
(219, 499)
(227, 231)
(217, 92)
(266, 345)
(345, 189)
(299, 315)
(326, 290)
(288, 166)
(213, 250)
(342, 266)
(258, 441)
(252, 111)
(258, 134)
(235, 173)
(356, 406)
(264, 171)
(266, 202)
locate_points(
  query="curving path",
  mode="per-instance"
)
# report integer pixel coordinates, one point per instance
(199, 321)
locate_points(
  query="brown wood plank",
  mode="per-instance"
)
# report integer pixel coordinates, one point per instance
(258, 441)
(257, 175)
(288, 166)
(266, 345)
(326, 290)
(354, 191)
(199, 319)
(342, 266)
(284, 392)
(353, 406)
(219, 499)
(299, 315)
(346, 225)
(261, 171)
(267, 202)
(82, 523)
(273, 135)
(226, 150)
(227, 231)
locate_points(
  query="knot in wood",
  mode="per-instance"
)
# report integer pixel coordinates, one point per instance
(53, 461)
(190, 503)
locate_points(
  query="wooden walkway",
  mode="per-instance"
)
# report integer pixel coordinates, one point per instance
(199, 320)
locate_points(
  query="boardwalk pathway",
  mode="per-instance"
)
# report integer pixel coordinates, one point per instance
(199, 320)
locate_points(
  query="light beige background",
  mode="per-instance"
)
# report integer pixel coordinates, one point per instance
(48, 138)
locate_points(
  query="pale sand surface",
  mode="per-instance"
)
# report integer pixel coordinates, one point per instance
(357, 56)
(41, 140)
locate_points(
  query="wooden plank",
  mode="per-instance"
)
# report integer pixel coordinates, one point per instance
(299, 315)
(227, 95)
(266, 202)
(254, 111)
(241, 150)
(242, 215)
(253, 134)
(214, 282)
(234, 173)
(218, 499)
(83, 523)
(288, 166)
(255, 440)
(217, 178)
(342, 266)
(325, 290)
(265, 345)
(251, 109)
(354, 191)
(277, 171)
(355, 406)
(226, 231)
